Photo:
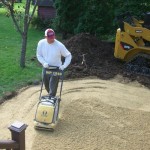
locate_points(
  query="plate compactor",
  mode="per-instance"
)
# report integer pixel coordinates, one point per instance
(47, 112)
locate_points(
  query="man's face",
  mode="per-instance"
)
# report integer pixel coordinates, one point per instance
(50, 40)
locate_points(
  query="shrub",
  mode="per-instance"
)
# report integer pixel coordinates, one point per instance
(39, 23)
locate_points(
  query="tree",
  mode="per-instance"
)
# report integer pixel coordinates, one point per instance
(136, 7)
(96, 17)
(92, 16)
(68, 13)
(27, 16)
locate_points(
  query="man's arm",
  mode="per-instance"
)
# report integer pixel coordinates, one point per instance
(40, 56)
(67, 60)
(66, 63)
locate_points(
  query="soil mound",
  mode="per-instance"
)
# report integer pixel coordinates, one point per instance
(93, 57)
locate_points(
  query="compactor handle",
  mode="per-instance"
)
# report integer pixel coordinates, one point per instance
(52, 68)
(54, 71)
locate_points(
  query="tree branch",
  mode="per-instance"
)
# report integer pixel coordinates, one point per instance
(11, 9)
(33, 11)
(26, 16)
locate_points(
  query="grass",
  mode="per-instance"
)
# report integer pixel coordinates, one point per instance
(12, 76)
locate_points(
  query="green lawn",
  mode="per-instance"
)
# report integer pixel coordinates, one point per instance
(12, 76)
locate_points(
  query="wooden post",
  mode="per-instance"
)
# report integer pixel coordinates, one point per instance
(8, 144)
(18, 134)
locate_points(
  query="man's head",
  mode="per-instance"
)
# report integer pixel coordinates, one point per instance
(50, 35)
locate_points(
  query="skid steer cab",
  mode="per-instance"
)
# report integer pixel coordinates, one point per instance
(47, 111)
(132, 43)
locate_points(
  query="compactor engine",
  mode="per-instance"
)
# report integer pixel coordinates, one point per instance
(132, 43)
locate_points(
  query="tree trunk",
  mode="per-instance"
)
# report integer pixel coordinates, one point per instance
(27, 19)
(23, 50)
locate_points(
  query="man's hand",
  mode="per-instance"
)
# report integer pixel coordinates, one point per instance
(45, 65)
(62, 67)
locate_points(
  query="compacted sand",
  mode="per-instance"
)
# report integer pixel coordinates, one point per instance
(94, 115)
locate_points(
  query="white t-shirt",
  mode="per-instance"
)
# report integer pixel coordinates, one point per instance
(51, 53)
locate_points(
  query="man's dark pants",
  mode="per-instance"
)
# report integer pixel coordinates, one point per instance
(51, 83)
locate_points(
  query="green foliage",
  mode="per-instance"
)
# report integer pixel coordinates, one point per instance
(136, 7)
(93, 19)
(94, 16)
(21, 17)
(39, 23)
(12, 77)
(83, 16)
(1, 5)
(18, 14)
(68, 13)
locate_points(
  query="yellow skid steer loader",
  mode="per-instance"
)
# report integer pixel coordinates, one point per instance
(132, 43)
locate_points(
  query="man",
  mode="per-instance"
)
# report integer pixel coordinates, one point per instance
(49, 53)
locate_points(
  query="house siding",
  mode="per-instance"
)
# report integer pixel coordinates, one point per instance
(46, 12)
(45, 2)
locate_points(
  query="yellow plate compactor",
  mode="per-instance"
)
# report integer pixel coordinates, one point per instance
(46, 116)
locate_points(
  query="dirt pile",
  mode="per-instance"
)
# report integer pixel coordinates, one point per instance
(93, 57)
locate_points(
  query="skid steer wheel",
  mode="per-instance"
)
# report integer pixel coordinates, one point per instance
(145, 70)
(135, 68)
(127, 67)
(132, 68)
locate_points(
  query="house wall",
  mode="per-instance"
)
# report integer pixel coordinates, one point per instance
(45, 2)
(45, 12)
